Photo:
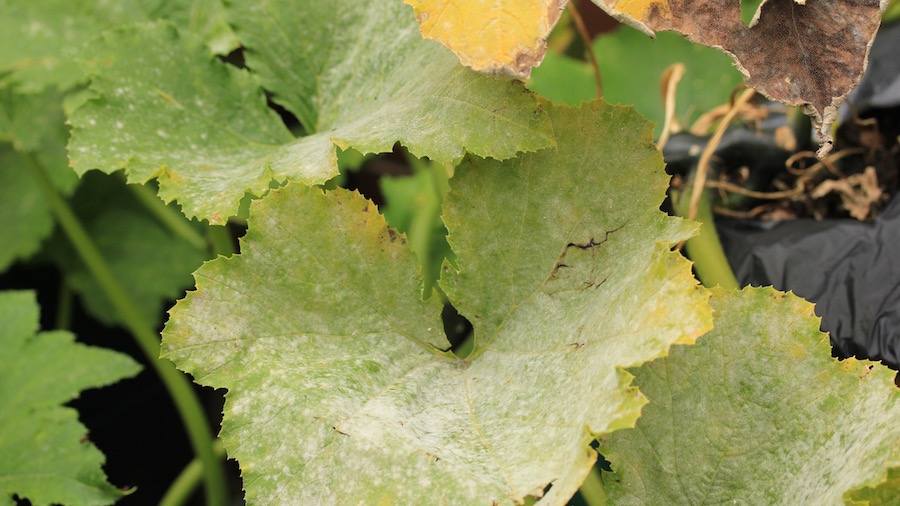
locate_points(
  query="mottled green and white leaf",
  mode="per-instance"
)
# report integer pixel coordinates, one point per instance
(204, 130)
(756, 413)
(339, 391)
(46, 457)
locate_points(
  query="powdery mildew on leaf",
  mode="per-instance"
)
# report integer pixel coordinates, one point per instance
(757, 412)
(380, 82)
(202, 128)
(339, 392)
(810, 55)
(505, 38)
(46, 458)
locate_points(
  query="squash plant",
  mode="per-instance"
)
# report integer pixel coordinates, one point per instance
(589, 331)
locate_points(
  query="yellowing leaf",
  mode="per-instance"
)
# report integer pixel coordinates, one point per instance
(804, 54)
(638, 9)
(505, 37)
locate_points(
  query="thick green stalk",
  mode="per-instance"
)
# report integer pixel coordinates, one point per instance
(170, 218)
(179, 387)
(592, 489)
(183, 486)
(705, 249)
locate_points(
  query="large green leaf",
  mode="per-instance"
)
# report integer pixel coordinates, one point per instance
(203, 129)
(339, 392)
(46, 456)
(756, 413)
(152, 262)
(41, 39)
(709, 78)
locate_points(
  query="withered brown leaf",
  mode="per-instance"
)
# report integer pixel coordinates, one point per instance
(808, 55)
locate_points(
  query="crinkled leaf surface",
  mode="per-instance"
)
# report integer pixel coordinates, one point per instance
(204, 130)
(505, 37)
(338, 390)
(153, 264)
(46, 458)
(41, 39)
(811, 54)
(756, 413)
(29, 123)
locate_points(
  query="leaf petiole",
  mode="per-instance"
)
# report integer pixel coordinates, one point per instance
(179, 388)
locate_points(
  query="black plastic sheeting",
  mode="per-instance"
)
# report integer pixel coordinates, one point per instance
(880, 85)
(851, 270)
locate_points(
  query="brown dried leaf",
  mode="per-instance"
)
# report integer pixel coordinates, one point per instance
(809, 53)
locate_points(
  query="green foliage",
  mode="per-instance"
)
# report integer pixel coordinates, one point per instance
(46, 457)
(539, 223)
(757, 412)
(151, 261)
(414, 208)
(352, 372)
(210, 138)
(632, 64)
(41, 40)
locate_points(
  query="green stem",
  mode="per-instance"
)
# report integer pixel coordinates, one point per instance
(183, 486)
(179, 387)
(592, 490)
(705, 249)
(170, 218)
(64, 306)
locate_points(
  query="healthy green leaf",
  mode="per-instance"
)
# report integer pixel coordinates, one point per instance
(152, 262)
(756, 413)
(563, 79)
(203, 129)
(709, 78)
(46, 458)
(338, 389)
(632, 64)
